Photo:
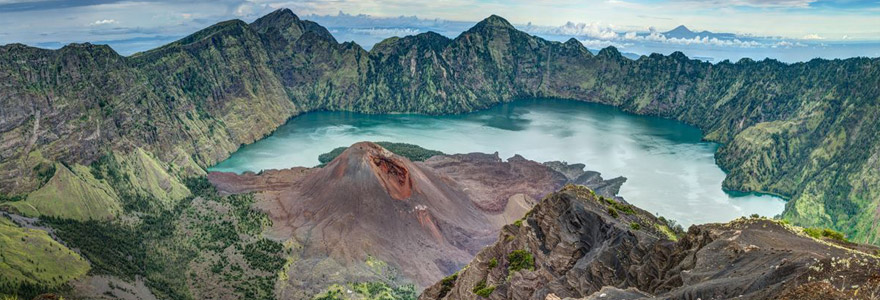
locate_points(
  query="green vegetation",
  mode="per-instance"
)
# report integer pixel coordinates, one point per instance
(820, 233)
(482, 290)
(141, 181)
(31, 262)
(635, 226)
(112, 249)
(198, 240)
(11, 198)
(617, 206)
(518, 223)
(672, 227)
(410, 151)
(446, 284)
(613, 212)
(520, 260)
(368, 291)
(493, 263)
(71, 193)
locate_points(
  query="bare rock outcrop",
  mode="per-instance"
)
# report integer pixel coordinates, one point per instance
(571, 246)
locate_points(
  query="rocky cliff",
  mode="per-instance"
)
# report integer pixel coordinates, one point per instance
(577, 245)
(804, 131)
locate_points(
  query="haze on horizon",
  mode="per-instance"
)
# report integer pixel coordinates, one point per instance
(789, 30)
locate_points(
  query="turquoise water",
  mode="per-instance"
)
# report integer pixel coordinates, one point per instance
(670, 171)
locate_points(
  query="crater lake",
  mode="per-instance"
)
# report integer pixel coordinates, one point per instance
(670, 170)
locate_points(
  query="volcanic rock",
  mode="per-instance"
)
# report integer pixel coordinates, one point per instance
(572, 247)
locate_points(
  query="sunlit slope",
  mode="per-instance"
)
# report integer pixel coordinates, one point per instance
(31, 257)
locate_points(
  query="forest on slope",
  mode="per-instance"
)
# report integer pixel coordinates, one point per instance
(804, 131)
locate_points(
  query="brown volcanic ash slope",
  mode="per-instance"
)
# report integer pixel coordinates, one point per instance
(578, 250)
(427, 219)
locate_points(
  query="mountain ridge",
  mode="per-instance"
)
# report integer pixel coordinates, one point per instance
(574, 245)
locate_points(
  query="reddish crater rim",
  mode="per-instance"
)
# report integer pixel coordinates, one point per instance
(392, 172)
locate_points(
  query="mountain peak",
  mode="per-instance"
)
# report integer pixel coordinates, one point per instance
(680, 28)
(284, 15)
(610, 52)
(285, 24)
(493, 21)
(392, 171)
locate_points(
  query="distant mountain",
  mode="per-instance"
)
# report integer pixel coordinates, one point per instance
(682, 32)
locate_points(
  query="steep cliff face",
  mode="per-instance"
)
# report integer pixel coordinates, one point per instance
(572, 246)
(803, 131)
(315, 70)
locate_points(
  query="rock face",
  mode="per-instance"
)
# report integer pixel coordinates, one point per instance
(571, 247)
(424, 219)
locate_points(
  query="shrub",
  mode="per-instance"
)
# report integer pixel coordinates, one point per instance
(624, 208)
(825, 233)
(519, 260)
(11, 198)
(518, 223)
(447, 283)
(613, 212)
(755, 216)
(635, 226)
(482, 290)
(493, 263)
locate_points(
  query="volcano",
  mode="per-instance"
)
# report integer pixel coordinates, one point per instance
(371, 214)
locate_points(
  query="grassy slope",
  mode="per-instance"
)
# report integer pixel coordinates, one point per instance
(31, 256)
(74, 194)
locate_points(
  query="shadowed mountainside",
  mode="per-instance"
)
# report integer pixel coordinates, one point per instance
(805, 131)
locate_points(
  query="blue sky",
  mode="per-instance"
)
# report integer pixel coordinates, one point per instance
(131, 26)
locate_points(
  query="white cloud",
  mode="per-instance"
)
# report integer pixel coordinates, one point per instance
(105, 22)
(787, 44)
(592, 30)
(813, 36)
(598, 44)
(597, 34)
(751, 3)
(386, 31)
(700, 40)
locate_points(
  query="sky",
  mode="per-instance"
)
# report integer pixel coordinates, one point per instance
(813, 28)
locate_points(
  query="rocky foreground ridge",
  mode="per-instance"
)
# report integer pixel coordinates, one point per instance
(422, 220)
(578, 245)
(806, 131)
